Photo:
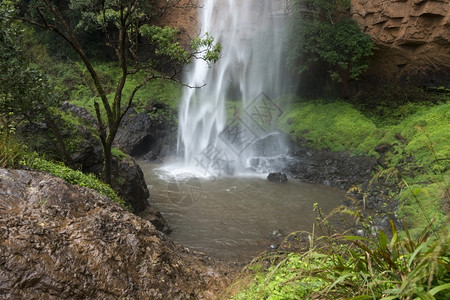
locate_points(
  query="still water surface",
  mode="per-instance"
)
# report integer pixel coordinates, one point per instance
(234, 217)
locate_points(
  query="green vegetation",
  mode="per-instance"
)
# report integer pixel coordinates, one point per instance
(116, 152)
(337, 126)
(34, 161)
(11, 151)
(416, 159)
(323, 36)
(156, 91)
(353, 267)
(414, 133)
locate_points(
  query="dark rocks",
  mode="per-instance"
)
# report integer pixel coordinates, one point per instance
(79, 112)
(277, 177)
(128, 180)
(338, 169)
(147, 134)
(135, 133)
(59, 241)
(383, 148)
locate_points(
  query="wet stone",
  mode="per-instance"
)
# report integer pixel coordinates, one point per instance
(91, 248)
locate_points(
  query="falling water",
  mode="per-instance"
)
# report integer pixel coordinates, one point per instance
(249, 69)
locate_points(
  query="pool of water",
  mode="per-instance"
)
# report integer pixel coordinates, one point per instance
(234, 218)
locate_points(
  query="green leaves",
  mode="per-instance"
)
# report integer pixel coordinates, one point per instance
(206, 45)
(24, 90)
(317, 37)
(165, 41)
(357, 268)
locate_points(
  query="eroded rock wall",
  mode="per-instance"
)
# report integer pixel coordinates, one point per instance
(413, 39)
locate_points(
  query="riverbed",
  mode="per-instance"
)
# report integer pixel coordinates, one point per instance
(235, 218)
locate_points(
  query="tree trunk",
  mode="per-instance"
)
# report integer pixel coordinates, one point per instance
(107, 164)
(62, 147)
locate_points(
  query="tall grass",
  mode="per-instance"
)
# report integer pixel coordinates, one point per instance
(11, 150)
(340, 266)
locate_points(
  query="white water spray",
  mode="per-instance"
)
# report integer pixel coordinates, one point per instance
(251, 63)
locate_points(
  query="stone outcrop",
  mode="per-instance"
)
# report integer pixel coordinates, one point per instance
(147, 134)
(413, 39)
(339, 169)
(277, 177)
(60, 241)
(128, 180)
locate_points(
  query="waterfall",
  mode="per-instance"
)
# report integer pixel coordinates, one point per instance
(250, 69)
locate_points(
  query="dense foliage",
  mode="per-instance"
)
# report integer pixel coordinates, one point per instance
(321, 33)
(25, 92)
(416, 139)
(354, 267)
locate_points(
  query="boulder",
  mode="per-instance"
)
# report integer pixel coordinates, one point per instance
(135, 133)
(146, 135)
(60, 241)
(340, 169)
(128, 180)
(277, 177)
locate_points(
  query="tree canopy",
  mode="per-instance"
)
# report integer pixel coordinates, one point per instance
(322, 31)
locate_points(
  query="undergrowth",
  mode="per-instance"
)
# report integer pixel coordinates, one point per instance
(340, 266)
(11, 151)
(155, 91)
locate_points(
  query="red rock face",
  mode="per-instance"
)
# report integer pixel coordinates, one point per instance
(413, 37)
(182, 15)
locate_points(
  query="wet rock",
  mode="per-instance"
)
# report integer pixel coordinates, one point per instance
(59, 241)
(78, 112)
(338, 169)
(128, 180)
(143, 136)
(135, 133)
(277, 177)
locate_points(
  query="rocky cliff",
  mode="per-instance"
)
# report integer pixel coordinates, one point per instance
(412, 36)
(59, 241)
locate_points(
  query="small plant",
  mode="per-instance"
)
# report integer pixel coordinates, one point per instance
(117, 153)
(11, 151)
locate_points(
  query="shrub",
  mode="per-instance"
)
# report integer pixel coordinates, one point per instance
(11, 151)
